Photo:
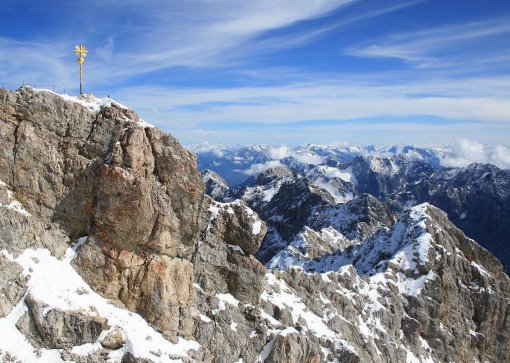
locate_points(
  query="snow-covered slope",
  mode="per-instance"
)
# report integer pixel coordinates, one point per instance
(53, 289)
(393, 298)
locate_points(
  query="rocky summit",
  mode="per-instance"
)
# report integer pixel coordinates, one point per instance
(111, 251)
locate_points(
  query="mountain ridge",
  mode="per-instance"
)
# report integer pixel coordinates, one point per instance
(470, 194)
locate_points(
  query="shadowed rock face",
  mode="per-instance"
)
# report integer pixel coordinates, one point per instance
(133, 190)
(293, 348)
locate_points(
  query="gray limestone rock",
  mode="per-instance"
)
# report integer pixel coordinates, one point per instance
(12, 285)
(135, 191)
(291, 348)
(237, 225)
(224, 271)
(114, 339)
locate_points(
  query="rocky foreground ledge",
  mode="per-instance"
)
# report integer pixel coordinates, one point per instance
(110, 251)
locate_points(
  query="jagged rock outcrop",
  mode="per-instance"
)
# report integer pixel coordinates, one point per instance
(293, 347)
(83, 168)
(477, 200)
(272, 174)
(293, 206)
(285, 201)
(229, 282)
(358, 219)
(12, 285)
(55, 328)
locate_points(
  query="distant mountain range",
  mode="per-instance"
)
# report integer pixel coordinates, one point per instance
(236, 164)
(272, 180)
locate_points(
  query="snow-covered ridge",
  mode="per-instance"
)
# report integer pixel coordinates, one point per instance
(235, 163)
(407, 246)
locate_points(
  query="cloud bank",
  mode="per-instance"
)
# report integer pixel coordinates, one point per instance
(466, 151)
(278, 152)
(256, 169)
(305, 157)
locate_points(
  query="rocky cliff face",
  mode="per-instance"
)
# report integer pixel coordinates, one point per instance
(88, 167)
(110, 251)
(215, 186)
(133, 190)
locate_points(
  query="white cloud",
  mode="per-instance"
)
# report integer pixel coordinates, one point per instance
(307, 158)
(478, 106)
(164, 34)
(278, 152)
(466, 151)
(216, 149)
(256, 169)
(480, 99)
(37, 62)
(500, 156)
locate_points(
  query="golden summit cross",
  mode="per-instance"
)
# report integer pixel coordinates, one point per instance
(81, 52)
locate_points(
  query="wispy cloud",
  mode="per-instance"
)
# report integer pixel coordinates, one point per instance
(444, 46)
(106, 51)
(335, 100)
(158, 35)
(36, 62)
(128, 40)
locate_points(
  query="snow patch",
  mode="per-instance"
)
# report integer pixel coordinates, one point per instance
(224, 299)
(236, 248)
(8, 201)
(204, 318)
(256, 227)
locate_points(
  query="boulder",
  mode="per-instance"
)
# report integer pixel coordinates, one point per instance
(63, 329)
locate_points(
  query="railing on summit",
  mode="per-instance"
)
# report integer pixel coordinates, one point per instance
(51, 87)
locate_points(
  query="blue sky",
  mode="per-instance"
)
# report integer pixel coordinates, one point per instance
(278, 71)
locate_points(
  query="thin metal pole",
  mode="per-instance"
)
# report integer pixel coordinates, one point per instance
(81, 77)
